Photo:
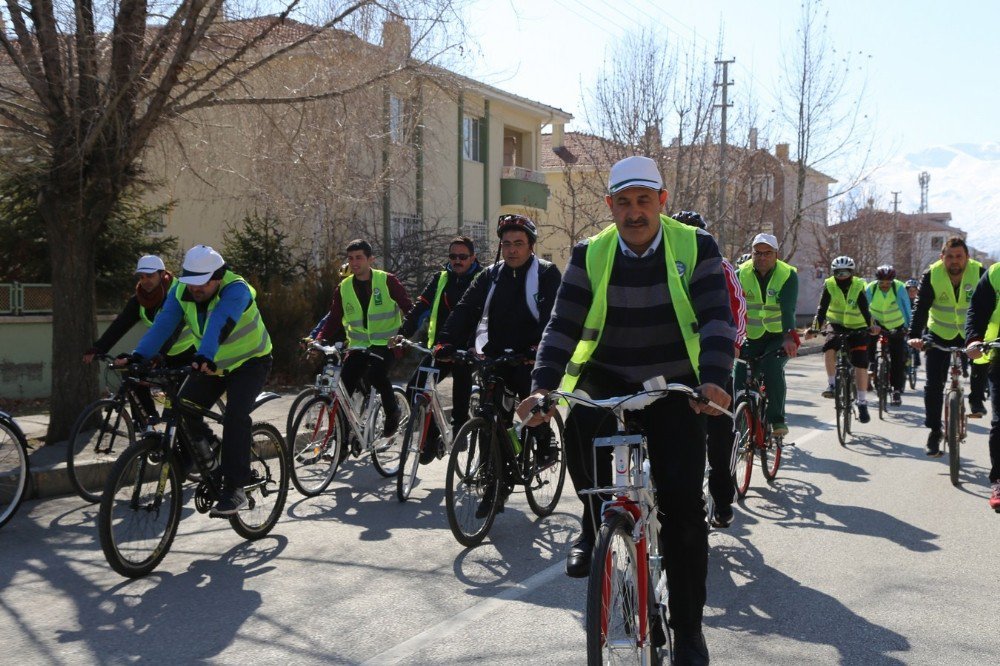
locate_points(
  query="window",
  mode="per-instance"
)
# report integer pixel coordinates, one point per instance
(937, 242)
(407, 249)
(476, 230)
(471, 139)
(762, 188)
(397, 120)
(547, 256)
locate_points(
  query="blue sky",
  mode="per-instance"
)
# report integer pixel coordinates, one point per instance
(931, 65)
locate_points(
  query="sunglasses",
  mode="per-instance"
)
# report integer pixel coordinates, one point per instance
(841, 273)
(459, 257)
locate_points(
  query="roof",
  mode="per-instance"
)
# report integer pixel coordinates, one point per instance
(929, 222)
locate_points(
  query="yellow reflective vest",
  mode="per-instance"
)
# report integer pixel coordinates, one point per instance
(884, 306)
(947, 313)
(384, 315)
(763, 309)
(844, 310)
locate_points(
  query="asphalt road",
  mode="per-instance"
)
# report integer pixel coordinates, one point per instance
(856, 555)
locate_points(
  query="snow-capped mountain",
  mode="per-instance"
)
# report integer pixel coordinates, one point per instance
(965, 181)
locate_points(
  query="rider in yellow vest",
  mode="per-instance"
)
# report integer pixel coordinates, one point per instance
(644, 298)
(771, 289)
(368, 308)
(234, 357)
(890, 308)
(942, 305)
(844, 304)
(983, 325)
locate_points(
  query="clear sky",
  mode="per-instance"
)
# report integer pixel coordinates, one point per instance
(932, 66)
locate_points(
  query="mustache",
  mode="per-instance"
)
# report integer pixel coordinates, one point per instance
(634, 220)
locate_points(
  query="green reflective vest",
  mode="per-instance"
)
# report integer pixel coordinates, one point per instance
(993, 327)
(884, 306)
(249, 337)
(947, 314)
(681, 251)
(184, 341)
(432, 326)
(384, 315)
(844, 310)
(763, 310)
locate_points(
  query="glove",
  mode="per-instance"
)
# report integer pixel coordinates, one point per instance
(198, 360)
(443, 351)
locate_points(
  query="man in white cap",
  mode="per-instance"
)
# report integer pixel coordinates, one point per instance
(233, 357)
(645, 298)
(771, 289)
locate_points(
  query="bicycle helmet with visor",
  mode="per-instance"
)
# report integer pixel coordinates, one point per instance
(842, 264)
(690, 218)
(513, 222)
(744, 258)
(885, 272)
(912, 282)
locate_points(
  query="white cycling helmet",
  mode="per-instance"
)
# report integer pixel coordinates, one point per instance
(842, 264)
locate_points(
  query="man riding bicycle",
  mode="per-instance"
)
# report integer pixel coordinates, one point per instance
(506, 307)
(368, 306)
(845, 305)
(233, 357)
(942, 304)
(439, 298)
(890, 308)
(644, 298)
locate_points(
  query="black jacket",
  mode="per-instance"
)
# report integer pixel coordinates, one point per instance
(453, 291)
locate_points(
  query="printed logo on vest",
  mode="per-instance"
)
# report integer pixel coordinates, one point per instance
(851, 301)
(377, 296)
(772, 292)
(681, 268)
(348, 307)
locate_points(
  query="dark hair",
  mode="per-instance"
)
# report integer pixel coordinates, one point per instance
(463, 240)
(359, 244)
(954, 241)
(219, 273)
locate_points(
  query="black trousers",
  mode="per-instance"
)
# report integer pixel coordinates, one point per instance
(241, 387)
(994, 376)
(721, 445)
(375, 370)
(897, 358)
(937, 375)
(461, 390)
(676, 437)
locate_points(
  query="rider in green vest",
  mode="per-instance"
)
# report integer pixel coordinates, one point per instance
(890, 308)
(233, 357)
(844, 304)
(983, 325)
(368, 309)
(771, 289)
(943, 299)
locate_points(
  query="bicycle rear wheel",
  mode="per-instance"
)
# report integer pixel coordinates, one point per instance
(140, 509)
(102, 431)
(14, 470)
(546, 473)
(268, 487)
(744, 422)
(911, 369)
(613, 609)
(414, 440)
(473, 481)
(953, 416)
(317, 438)
(386, 452)
(883, 388)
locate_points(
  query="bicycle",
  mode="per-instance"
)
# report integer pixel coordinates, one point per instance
(882, 384)
(425, 405)
(141, 504)
(955, 418)
(324, 422)
(489, 456)
(755, 438)
(15, 469)
(104, 429)
(626, 616)
(845, 391)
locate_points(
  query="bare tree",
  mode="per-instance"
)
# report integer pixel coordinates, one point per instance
(86, 86)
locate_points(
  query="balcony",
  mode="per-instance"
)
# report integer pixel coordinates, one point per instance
(523, 187)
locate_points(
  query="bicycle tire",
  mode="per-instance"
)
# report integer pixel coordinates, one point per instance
(269, 467)
(386, 455)
(911, 370)
(953, 415)
(883, 389)
(414, 440)
(841, 396)
(314, 450)
(100, 434)
(132, 502)
(14, 470)
(472, 479)
(770, 452)
(544, 484)
(613, 613)
(293, 410)
(852, 397)
(743, 421)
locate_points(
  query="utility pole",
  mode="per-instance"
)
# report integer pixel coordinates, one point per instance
(896, 254)
(724, 84)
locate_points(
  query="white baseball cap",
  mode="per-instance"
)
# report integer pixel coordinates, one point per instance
(200, 263)
(766, 239)
(149, 263)
(634, 171)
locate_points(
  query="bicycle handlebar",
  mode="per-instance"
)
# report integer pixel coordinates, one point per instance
(633, 402)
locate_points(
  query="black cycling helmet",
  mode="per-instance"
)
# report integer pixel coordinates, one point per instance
(912, 282)
(690, 218)
(513, 222)
(885, 272)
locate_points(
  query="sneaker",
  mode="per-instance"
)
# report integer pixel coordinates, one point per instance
(432, 451)
(995, 497)
(723, 516)
(546, 451)
(392, 422)
(828, 393)
(977, 409)
(897, 399)
(863, 416)
(233, 500)
(779, 429)
(483, 509)
(690, 648)
(934, 444)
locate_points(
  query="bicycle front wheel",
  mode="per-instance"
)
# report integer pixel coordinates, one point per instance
(386, 453)
(414, 440)
(268, 485)
(102, 431)
(613, 609)
(843, 404)
(883, 389)
(770, 458)
(953, 416)
(911, 370)
(744, 422)
(298, 401)
(140, 509)
(13, 471)
(317, 438)
(473, 480)
(546, 469)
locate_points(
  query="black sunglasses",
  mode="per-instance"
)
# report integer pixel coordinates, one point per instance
(459, 257)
